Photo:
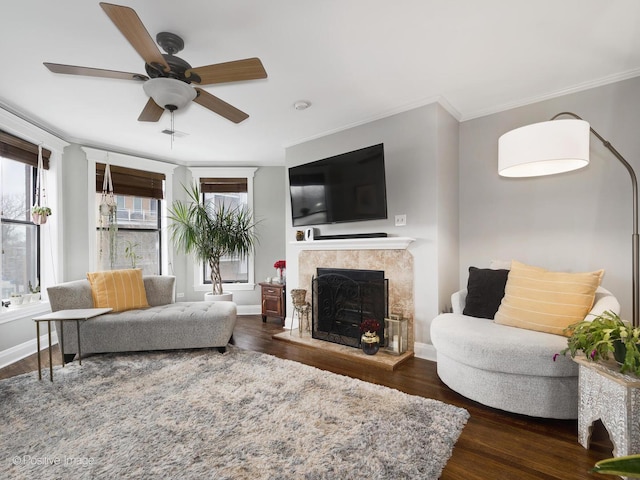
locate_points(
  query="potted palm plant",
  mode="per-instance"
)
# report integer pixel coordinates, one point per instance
(210, 232)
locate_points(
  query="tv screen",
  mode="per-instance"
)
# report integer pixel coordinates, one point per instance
(345, 188)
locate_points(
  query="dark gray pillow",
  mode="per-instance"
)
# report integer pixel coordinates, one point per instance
(485, 289)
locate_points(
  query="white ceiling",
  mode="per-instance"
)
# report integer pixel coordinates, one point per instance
(354, 60)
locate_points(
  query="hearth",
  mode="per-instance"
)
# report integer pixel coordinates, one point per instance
(342, 298)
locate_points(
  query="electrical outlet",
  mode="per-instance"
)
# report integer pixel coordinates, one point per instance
(180, 295)
(401, 220)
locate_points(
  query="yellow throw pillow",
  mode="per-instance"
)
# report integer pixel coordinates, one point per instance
(119, 289)
(538, 299)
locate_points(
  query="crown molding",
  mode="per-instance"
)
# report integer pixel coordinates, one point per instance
(548, 96)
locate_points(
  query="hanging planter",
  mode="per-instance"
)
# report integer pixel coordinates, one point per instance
(40, 214)
(40, 211)
(108, 210)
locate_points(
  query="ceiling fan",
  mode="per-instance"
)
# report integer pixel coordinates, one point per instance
(169, 78)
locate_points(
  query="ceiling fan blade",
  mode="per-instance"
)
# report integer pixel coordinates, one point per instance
(130, 25)
(220, 107)
(94, 72)
(151, 112)
(238, 70)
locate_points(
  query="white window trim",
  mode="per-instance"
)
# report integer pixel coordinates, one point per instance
(226, 172)
(51, 252)
(95, 156)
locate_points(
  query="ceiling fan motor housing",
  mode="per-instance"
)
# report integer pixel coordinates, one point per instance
(172, 44)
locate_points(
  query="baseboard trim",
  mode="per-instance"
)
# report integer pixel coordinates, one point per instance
(249, 310)
(23, 350)
(425, 351)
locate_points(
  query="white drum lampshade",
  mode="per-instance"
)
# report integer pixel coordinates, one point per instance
(544, 148)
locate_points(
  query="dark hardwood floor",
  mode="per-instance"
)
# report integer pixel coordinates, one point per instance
(494, 445)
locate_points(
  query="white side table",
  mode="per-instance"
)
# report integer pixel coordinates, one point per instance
(76, 315)
(612, 397)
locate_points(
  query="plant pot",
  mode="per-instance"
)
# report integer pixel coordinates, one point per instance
(225, 297)
(370, 343)
(16, 299)
(38, 218)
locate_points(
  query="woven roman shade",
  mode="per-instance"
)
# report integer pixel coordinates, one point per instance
(20, 150)
(129, 181)
(223, 185)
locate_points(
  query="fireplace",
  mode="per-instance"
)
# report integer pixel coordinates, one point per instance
(343, 298)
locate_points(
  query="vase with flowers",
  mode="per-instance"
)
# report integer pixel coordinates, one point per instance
(370, 341)
(280, 267)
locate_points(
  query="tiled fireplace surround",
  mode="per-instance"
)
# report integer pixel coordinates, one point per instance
(382, 254)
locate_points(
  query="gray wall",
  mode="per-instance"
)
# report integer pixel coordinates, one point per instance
(75, 208)
(421, 173)
(269, 204)
(576, 221)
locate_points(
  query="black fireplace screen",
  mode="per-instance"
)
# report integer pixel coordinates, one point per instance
(343, 298)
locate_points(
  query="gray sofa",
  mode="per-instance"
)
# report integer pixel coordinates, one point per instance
(165, 325)
(509, 368)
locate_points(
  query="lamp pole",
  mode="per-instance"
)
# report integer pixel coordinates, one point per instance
(634, 237)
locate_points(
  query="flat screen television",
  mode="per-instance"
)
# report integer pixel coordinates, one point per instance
(345, 188)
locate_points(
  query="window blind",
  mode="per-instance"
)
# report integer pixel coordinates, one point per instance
(223, 185)
(129, 181)
(22, 151)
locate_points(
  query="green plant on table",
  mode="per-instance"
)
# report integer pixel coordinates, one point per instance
(598, 338)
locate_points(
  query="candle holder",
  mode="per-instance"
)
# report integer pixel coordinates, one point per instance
(397, 334)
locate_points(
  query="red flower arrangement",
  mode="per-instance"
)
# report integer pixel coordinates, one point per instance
(280, 265)
(369, 325)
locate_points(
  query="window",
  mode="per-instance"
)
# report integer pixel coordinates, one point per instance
(20, 236)
(134, 240)
(231, 192)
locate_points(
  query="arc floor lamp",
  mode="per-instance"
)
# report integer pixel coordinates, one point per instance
(560, 146)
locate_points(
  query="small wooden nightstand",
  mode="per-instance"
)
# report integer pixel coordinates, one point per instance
(273, 302)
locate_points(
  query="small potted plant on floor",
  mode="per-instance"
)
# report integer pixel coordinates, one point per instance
(604, 336)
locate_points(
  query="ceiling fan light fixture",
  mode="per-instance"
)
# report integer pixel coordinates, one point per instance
(169, 93)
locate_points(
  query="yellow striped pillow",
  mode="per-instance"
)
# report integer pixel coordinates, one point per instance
(538, 299)
(119, 289)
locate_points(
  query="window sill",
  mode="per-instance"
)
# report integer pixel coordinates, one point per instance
(12, 314)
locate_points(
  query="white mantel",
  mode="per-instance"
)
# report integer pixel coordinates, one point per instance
(384, 243)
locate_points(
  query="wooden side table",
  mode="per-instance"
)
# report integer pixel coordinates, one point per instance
(612, 397)
(63, 316)
(273, 301)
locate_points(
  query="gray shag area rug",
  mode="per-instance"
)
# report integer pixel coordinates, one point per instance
(201, 414)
